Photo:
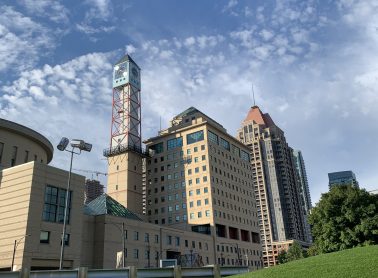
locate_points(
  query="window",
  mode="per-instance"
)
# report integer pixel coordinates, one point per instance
(177, 241)
(26, 158)
(202, 147)
(206, 190)
(44, 237)
(174, 143)
(156, 238)
(190, 192)
(192, 216)
(188, 151)
(194, 137)
(212, 137)
(198, 203)
(225, 144)
(177, 207)
(199, 214)
(53, 209)
(189, 171)
(204, 168)
(195, 149)
(158, 148)
(1, 150)
(196, 170)
(207, 213)
(235, 150)
(204, 157)
(206, 201)
(66, 239)
(136, 235)
(198, 191)
(169, 240)
(204, 179)
(244, 155)
(191, 204)
(136, 253)
(146, 237)
(197, 180)
(14, 156)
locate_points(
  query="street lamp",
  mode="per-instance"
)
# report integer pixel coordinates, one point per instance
(81, 146)
(123, 241)
(16, 242)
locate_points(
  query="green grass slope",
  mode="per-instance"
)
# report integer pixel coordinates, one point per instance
(357, 262)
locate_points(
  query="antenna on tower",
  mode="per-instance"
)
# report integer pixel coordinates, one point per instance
(253, 92)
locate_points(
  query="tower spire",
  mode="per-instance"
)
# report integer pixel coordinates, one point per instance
(253, 93)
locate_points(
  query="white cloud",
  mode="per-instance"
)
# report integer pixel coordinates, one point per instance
(22, 41)
(54, 9)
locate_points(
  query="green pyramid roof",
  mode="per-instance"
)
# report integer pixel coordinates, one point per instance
(104, 204)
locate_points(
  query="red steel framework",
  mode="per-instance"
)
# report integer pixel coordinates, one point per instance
(126, 117)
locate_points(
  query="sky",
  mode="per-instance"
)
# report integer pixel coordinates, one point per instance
(313, 66)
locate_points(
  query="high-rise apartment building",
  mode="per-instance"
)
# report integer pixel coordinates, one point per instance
(304, 190)
(199, 178)
(93, 189)
(276, 184)
(342, 178)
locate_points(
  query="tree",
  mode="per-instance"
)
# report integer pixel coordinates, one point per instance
(295, 252)
(345, 217)
(282, 257)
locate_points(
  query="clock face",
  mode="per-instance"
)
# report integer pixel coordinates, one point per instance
(120, 71)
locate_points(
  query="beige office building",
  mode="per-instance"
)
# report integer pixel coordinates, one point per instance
(276, 183)
(199, 179)
(32, 196)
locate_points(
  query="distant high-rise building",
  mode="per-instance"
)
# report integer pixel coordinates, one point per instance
(342, 178)
(304, 190)
(93, 189)
(277, 188)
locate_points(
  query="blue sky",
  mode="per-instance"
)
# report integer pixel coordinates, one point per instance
(313, 65)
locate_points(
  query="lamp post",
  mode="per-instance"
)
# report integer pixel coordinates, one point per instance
(16, 242)
(81, 146)
(123, 241)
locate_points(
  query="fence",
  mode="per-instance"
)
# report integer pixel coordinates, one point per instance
(130, 272)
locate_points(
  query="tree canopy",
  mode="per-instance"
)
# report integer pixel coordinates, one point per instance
(345, 217)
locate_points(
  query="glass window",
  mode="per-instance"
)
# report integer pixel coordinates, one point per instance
(156, 238)
(195, 149)
(44, 237)
(169, 240)
(136, 235)
(206, 201)
(194, 137)
(199, 214)
(158, 148)
(174, 143)
(191, 204)
(55, 201)
(191, 215)
(207, 213)
(244, 155)
(198, 191)
(190, 192)
(225, 144)
(136, 253)
(212, 137)
(235, 150)
(197, 180)
(198, 203)
(206, 190)
(177, 241)
(146, 237)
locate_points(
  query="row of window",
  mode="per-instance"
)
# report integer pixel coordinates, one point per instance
(44, 237)
(54, 204)
(13, 161)
(226, 145)
(177, 142)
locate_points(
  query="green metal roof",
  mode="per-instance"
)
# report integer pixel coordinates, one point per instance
(104, 204)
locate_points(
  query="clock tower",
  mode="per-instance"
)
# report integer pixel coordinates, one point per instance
(125, 154)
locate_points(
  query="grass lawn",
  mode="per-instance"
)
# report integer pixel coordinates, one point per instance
(357, 262)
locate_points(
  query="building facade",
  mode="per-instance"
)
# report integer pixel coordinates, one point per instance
(275, 181)
(342, 178)
(93, 189)
(199, 179)
(20, 144)
(304, 191)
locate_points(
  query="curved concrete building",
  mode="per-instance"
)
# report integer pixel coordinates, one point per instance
(20, 144)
